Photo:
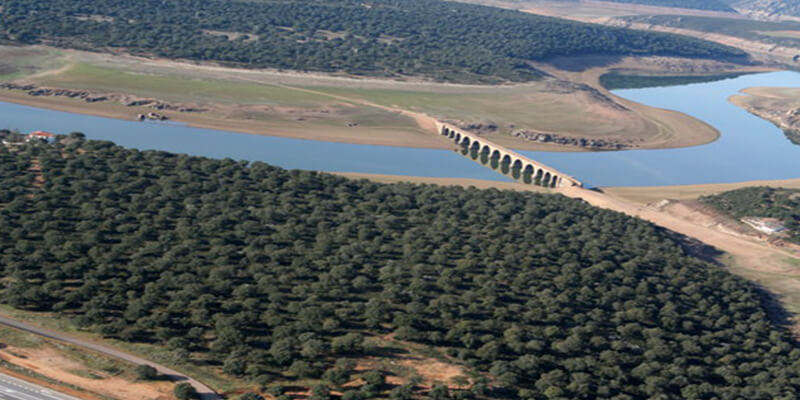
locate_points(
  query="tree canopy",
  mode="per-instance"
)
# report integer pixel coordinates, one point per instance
(442, 40)
(278, 275)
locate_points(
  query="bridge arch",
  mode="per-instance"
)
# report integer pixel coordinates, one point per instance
(527, 174)
(516, 169)
(504, 160)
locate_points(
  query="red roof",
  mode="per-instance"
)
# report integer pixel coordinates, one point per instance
(43, 134)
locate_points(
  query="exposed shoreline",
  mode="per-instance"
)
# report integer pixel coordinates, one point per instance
(778, 105)
(638, 194)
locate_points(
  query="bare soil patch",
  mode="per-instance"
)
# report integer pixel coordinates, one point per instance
(50, 362)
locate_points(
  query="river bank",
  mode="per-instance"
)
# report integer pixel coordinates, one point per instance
(641, 195)
(779, 105)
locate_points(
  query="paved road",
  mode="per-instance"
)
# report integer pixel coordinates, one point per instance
(16, 389)
(206, 393)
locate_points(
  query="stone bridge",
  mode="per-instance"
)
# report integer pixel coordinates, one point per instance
(510, 163)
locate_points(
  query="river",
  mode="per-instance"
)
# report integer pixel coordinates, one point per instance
(749, 149)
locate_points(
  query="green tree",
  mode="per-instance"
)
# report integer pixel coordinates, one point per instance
(146, 372)
(185, 391)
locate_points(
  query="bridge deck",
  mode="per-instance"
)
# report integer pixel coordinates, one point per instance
(555, 178)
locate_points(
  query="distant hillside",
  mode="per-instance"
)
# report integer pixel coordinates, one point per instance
(441, 40)
(710, 5)
(767, 9)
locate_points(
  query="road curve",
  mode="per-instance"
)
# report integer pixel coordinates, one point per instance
(206, 393)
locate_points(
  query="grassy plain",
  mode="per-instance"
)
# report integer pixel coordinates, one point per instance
(535, 106)
(18, 62)
(177, 87)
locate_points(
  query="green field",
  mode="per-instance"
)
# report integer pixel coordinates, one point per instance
(18, 62)
(532, 106)
(180, 88)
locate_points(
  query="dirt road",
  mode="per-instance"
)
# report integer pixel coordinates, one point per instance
(206, 393)
(749, 255)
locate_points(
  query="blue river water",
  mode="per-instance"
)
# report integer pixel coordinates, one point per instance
(749, 149)
(283, 152)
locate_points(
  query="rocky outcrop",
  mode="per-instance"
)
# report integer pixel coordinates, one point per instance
(485, 128)
(90, 97)
(592, 144)
(160, 105)
(152, 116)
(479, 128)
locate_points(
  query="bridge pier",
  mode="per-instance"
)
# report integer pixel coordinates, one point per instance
(509, 162)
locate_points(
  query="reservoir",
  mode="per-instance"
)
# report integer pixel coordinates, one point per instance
(749, 149)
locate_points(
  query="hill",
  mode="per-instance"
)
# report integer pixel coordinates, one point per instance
(710, 5)
(300, 278)
(768, 9)
(761, 202)
(398, 38)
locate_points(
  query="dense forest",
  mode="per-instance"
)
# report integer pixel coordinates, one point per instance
(442, 40)
(763, 202)
(278, 275)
